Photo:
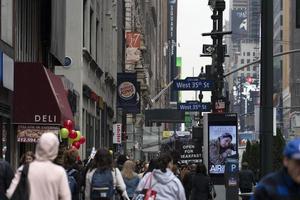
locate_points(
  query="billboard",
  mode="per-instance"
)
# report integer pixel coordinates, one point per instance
(239, 24)
(222, 141)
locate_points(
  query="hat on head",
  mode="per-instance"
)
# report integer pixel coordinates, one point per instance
(292, 149)
(224, 135)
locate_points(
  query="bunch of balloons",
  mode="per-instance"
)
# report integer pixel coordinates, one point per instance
(74, 137)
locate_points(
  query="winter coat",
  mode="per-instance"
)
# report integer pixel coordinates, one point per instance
(131, 184)
(46, 179)
(246, 179)
(6, 176)
(200, 187)
(166, 184)
(117, 178)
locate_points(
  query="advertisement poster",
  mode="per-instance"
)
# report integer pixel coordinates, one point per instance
(239, 23)
(31, 133)
(222, 145)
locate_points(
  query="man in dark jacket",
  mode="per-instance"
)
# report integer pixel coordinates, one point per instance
(246, 180)
(284, 184)
(6, 175)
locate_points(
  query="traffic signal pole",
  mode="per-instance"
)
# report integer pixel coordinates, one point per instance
(266, 96)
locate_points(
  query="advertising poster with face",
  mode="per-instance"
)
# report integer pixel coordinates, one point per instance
(222, 145)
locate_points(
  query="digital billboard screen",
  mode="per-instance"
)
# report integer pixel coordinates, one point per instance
(222, 145)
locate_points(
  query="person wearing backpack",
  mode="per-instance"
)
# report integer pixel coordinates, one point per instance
(161, 182)
(102, 179)
(74, 177)
(131, 179)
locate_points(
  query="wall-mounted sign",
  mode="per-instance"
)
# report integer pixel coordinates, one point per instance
(31, 133)
(117, 131)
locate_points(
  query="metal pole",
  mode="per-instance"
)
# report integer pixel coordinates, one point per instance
(266, 97)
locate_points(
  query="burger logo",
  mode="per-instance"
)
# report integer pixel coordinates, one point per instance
(126, 90)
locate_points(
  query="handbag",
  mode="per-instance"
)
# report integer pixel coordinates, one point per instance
(146, 194)
(212, 192)
(22, 190)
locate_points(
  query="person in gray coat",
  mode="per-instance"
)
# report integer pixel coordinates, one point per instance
(163, 181)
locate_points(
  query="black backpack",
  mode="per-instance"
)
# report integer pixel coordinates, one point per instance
(22, 190)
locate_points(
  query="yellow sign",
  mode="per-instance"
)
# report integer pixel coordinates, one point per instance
(167, 134)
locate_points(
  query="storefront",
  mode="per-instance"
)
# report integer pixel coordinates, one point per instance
(40, 104)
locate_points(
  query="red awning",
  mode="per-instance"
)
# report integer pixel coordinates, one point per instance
(39, 96)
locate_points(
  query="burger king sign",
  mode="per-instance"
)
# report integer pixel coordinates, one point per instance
(127, 90)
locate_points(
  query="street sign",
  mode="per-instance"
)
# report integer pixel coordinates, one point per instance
(194, 106)
(208, 49)
(193, 83)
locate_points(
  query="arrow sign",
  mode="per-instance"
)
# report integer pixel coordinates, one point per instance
(194, 106)
(193, 83)
(208, 49)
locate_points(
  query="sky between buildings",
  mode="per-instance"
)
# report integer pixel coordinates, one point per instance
(193, 19)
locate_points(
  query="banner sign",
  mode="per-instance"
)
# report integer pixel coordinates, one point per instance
(128, 97)
(239, 23)
(189, 151)
(117, 131)
(172, 42)
(133, 39)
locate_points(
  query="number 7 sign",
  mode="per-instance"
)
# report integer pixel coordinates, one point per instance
(133, 39)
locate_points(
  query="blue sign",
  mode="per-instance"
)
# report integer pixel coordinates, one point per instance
(194, 106)
(193, 83)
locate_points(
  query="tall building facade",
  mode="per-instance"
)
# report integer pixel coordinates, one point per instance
(149, 19)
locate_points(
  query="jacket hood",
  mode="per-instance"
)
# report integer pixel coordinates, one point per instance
(163, 177)
(47, 147)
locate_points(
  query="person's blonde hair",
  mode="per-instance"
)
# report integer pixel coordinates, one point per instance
(128, 169)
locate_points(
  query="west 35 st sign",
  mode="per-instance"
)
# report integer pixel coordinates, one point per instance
(194, 106)
(193, 83)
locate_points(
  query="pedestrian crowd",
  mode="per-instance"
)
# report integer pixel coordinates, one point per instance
(57, 173)
(45, 175)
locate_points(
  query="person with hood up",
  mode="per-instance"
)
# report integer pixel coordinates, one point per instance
(164, 182)
(46, 179)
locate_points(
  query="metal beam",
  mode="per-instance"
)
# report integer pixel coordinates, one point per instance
(258, 61)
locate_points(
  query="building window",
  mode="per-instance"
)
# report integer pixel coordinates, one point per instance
(248, 53)
(91, 31)
(6, 21)
(242, 61)
(243, 53)
(248, 68)
(84, 23)
(254, 68)
(248, 60)
(253, 54)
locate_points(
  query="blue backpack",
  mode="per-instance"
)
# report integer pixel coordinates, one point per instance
(72, 181)
(102, 186)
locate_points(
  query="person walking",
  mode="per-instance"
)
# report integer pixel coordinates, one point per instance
(27, 157)
(162, 181)
(131, 179)
(74, 177)
(102, 180)
(201, 186)
(285, 183)
(246, 180)
(46, 179)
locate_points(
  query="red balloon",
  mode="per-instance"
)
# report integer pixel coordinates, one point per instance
(76, 145)
(73, 134)
(68, 124)
(81, 140)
